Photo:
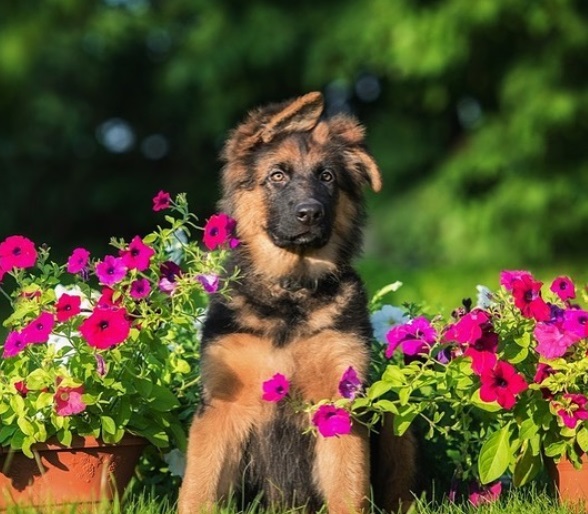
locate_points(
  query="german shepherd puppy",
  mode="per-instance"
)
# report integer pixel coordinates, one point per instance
(293, 182)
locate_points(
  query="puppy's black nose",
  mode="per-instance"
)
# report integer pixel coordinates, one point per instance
(309, 212)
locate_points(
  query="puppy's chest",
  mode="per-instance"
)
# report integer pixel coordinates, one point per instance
(287, 318)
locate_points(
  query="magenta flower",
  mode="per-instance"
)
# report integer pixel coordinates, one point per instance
(68, 401)
(480, 494)
(218, 231)
(350, 384)
(527, 297)
(39, 330)
(17, 252)
(107, 301)
(209, 282)
(469, 327)
(576, 322)
(543, 371)
(564, 288)
(14, 344)
(105, 327)
(111, 270)
(332, 421)
(483, 352)
(161, 201)
(508, 278)
(140, 288)
(501, 383)
(67, 307)
(21, 388)
(414, 337)
(276, 388)
(573, 409)
(137, 255)
(2, 272)
(78, 260)
(552, 341)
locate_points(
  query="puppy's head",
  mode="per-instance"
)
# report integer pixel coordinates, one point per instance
(293, 182)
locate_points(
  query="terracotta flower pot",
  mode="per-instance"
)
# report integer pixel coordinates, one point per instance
(571, 484)
(88, 471)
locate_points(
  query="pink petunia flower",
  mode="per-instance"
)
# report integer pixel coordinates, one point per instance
(14, 344)
(39, 330)
(105, 327)
(209, 282)
(350, 384)
(17, 252)
(218, 231)
(480, 494)
(21, 388)
(68, 400)
(140, 288)
(564, 288)
(67, 307)
(276, 388)
(501, 383)
(137, 255)
(542, 372)
(111, 270)
(508, 277)
(469, 327)
(527, 297)
(161, 201)
(552, 341)
(107, 301)
(78, 260)
(573, 409)
(332, 421)
(576, 322)
(483, 352)
(2, 272)
(414, 337)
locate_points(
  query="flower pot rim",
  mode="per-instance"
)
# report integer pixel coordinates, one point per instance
(81, 442)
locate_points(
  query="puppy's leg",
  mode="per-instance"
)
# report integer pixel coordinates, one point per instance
(341, 470)
(342, 463)
(233, 370)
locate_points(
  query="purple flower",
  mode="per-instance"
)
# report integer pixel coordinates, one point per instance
(168, 270)
(332, 421)
(111, 270)
(276, 388)
(480, 494)
(414, 337)
(552, 341)
(14, 344)
(209, 282)
(350, 384)
(576, 322)
(140, 288)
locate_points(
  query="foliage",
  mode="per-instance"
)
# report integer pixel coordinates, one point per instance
(475, 111)
(106, 346)
(504, 383)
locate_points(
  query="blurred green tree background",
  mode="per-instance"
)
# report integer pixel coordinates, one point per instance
(477, 112)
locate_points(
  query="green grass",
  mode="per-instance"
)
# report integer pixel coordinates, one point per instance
(528, 501)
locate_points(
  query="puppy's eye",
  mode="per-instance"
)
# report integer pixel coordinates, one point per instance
(277, 176)
(326, 176)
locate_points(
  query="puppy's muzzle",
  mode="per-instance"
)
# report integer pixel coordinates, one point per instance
(309, 212)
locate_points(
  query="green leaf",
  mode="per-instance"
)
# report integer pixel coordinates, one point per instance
(378, 389)
(582, 439)
(495, 456)
(25, 426)
(386, 406)
(527, 466)
(528, 429)
(403, 419)
(108, 425)
(162, 399)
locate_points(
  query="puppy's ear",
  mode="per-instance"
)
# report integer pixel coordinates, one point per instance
(263, 124)
(300, 115)
(351, 132)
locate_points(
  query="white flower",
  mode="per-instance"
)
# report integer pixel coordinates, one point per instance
(485, 297)
(386, 318)
(176, 462)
